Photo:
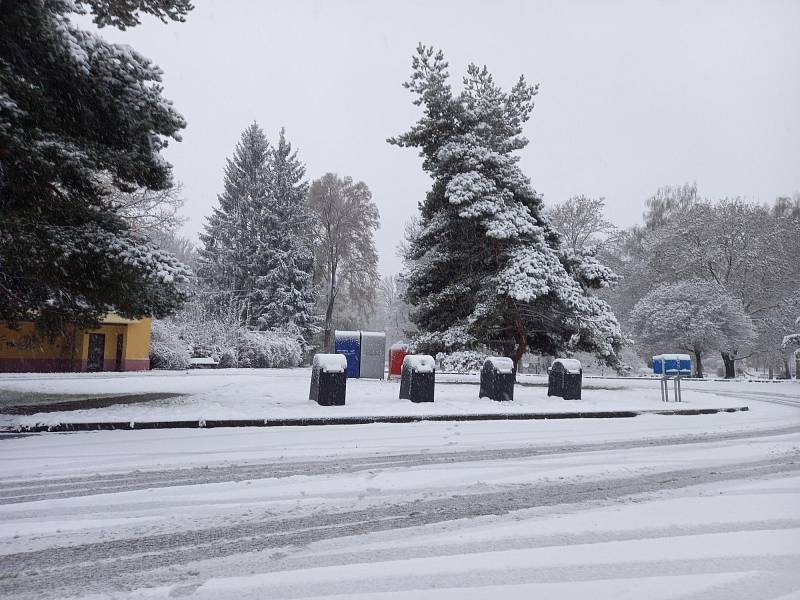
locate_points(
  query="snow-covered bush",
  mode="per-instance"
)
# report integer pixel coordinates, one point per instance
(464, 361)
(264, 349)
(208, 330)
(168, 350)
(227, 359)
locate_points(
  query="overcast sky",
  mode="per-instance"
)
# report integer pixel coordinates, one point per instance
(633, 95)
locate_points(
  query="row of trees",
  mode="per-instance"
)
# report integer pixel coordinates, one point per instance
(89, 209)
(88, 213)
(699, 276)
(487, 267)
(279, 253)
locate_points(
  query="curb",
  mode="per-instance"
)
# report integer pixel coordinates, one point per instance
(318, 421)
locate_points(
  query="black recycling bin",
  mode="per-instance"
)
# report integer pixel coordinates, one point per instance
(328, 379)
(417, 378)
(497, 379)
(565, 378)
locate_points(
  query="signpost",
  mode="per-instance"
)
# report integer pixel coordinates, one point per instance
(671, 366)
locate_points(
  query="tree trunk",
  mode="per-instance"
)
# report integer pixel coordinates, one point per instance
(787, 371)
(328, 343)
(520, 335)
(730, 365)
(698, 364)
(770, 372)
(797, 364)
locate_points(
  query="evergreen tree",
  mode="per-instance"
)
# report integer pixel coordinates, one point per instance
(285, 291)
(230, 240)
(257, 251)
(485, 266)
(78, 117)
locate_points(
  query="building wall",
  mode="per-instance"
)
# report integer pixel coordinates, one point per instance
(137, 345)
(22, 351)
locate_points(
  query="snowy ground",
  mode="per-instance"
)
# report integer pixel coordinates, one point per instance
(652, 507)
(257, 394)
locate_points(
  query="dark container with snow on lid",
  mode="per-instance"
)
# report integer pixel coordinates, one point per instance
(497, 379)
(418, 378)
(564, 379)
(328, 379)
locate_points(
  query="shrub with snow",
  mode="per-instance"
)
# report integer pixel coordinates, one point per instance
(227, 359)
(464, 361)
(200, 332)
(265, 349)
(168, 350)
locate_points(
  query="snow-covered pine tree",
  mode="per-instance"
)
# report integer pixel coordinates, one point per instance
(78, 113)
(284, 294)
(485, 266)
(232, 230)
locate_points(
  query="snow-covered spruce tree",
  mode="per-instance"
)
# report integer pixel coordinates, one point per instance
(485, 267)
(256, 251)
(284, 289)
(75, 113)
(230, 239)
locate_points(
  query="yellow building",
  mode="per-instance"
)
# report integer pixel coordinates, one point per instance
(117, 345)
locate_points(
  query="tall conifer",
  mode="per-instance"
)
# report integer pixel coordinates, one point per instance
(485, 266)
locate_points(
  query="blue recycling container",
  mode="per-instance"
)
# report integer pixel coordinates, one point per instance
(672, 364)
(658, 365)
(349, 344)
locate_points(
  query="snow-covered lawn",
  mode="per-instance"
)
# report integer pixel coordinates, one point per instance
(282, 393)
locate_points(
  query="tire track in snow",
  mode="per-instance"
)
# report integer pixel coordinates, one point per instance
(103, 566)
(21, 491)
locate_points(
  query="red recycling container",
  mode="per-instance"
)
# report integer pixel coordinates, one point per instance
(397, 353)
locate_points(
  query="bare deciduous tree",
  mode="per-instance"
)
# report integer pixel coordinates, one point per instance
(581, 223)
(693, 316)
(395, 310)
(147, 211)
(667, 202)
(345, 218)
(179, 246)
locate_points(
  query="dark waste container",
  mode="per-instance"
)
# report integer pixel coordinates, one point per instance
(417, 378)
(328, 379)
(497, 379)
(564, 379)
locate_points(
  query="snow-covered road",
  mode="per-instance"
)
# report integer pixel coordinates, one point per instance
(651, 507)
